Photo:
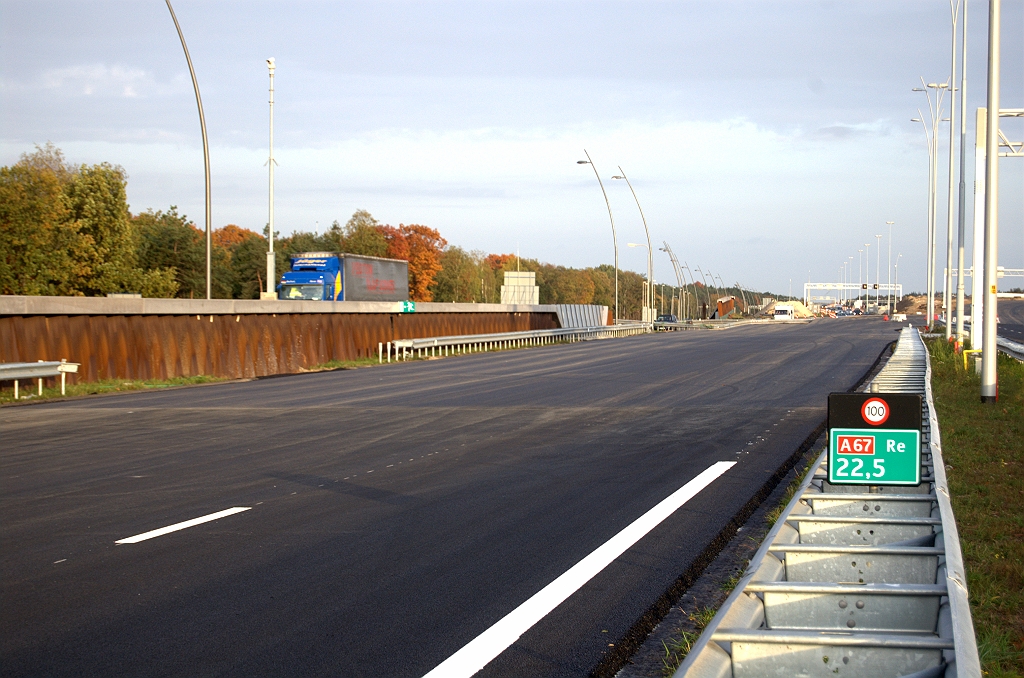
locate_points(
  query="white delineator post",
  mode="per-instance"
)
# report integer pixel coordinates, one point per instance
(989, 354)
(271, 273)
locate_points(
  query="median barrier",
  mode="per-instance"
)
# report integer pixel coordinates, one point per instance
(403, 349)
(854, 580)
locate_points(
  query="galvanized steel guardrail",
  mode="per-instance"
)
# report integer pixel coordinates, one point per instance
(18, 372)
(854, 582)
(1013, 349)
(402, 349)
(724, 323)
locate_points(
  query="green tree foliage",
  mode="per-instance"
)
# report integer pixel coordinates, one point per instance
(362, 235)
(460, 278)
(84, 242)
(40, 247)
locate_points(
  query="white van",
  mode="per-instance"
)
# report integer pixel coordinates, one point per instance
(784, 312)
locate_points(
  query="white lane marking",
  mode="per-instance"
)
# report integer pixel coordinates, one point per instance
(495, 640)
(181, 526)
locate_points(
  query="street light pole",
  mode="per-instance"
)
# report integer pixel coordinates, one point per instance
(878, 261)
(896, 282)
(860, 272)
(615, 241)
(888, 272)
(948, 283)
(989, 376)
(849, 279)
(963, 187)
(649, 284)
(867, 274)
(271, 273)
(206, 145)
(650, 250)
(935, 110)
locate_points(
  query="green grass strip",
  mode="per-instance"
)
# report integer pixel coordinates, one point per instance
(983, 448)
(29, 390)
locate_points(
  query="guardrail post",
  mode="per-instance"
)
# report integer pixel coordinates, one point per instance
(389, 351)
(15, 389)
(380, 352)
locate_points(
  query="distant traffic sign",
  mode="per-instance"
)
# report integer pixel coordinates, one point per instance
(874, 439)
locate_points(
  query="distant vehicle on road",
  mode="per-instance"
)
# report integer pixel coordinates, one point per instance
(329, 276)
(667, 319)
(899, 317)
(784, 312)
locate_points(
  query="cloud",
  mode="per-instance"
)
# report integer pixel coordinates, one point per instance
(96, 80)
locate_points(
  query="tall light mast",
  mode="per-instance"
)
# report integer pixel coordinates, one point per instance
(271, 274)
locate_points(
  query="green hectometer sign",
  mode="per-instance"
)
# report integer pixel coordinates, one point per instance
(859, 456)
(874, 438)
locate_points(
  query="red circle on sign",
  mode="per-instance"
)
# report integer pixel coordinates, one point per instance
(875, 411)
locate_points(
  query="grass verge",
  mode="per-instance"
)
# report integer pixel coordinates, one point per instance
(983, 448)
(677, 647)
(29, 391)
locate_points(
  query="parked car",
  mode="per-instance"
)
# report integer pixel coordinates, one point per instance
(667, 319)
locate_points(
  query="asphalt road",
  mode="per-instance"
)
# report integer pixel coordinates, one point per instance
(1011, 319)
(397, 512)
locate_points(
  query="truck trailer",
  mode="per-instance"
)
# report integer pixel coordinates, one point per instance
(330, 276)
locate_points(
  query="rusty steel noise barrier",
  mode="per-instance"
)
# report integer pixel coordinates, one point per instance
(150, 346)
(854, 581)
(429, 347)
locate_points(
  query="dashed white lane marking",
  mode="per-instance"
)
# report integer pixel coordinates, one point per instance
(181, 526)
(495, 640)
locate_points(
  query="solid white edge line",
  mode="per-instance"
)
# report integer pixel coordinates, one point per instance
(495, 640)
(181, 526)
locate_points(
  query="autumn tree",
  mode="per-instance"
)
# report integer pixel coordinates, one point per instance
(40, 248)
(425, 247)
(85, 243)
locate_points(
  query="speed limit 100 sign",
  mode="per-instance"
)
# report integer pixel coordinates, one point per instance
(874, 439)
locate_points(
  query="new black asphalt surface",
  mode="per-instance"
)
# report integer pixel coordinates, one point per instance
(1011, 319)
(397, 511)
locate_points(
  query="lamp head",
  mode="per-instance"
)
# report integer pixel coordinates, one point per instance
(582, 162)
(271, 64)
(618, 177)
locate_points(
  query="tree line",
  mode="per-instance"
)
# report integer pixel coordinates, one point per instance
(68, 230)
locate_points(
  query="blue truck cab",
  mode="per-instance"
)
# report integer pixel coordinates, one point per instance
(315, 276)
(329, 276)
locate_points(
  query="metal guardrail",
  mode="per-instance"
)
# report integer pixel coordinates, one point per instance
(403, 349)
(855, 583)
(17, 372)
(1011, 348)
(725, 323)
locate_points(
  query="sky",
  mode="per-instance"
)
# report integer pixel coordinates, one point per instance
(767, 141)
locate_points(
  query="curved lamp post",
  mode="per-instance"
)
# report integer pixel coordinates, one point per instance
(615, 241)
(650, 249)
(650, 285)
(206, 146)
(935, 111)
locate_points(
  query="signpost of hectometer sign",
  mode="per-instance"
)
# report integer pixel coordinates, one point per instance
(874, 439)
